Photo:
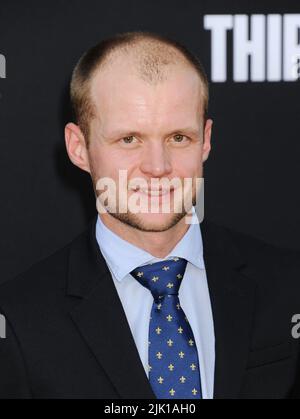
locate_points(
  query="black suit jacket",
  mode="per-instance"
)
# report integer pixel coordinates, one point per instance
(68, 337)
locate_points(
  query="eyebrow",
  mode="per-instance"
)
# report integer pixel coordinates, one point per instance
(126, 133)
(187, 130)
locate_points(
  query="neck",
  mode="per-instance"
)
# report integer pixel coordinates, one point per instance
(158, 244)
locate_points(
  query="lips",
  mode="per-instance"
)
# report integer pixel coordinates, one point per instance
(154, 192)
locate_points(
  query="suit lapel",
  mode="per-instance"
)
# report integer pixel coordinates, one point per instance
(102, 323)
(232, 299)
(101, 320)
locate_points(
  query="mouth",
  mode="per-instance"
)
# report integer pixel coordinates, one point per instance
(153, 192)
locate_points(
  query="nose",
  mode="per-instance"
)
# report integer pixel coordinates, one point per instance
(156, 160)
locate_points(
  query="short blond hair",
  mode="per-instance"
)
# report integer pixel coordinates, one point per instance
(154, 52)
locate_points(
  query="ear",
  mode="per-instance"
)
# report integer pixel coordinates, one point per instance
(207, 139)
(76, 146)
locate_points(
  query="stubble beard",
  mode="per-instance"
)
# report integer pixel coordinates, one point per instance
(134, 220)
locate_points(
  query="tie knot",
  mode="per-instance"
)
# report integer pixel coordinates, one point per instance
(161, 278)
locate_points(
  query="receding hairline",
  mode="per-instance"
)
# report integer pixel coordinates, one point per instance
(152, 56)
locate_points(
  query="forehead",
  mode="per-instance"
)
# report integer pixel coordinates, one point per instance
(121, 96)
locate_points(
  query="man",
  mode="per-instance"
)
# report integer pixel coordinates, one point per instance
(145, 304)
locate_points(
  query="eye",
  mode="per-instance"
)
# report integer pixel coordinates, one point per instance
(179, 138)
(129, 139)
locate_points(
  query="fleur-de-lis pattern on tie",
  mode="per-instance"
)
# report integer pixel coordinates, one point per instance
(174, 371)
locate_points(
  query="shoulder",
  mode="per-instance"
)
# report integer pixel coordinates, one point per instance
(246, 242)
(41, 285)
(272, 272)
(257, 253)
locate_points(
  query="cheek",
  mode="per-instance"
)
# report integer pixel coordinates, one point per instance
(98, 164)
(101, 159)
(188, 165)
(108, 162)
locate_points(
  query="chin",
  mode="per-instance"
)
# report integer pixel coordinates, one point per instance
(150, 222)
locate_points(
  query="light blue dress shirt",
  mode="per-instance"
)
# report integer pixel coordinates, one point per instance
(122, 257)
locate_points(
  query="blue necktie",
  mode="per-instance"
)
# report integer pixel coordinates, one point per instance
(173, 358)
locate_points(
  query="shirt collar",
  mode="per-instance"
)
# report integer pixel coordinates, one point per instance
(122, 257)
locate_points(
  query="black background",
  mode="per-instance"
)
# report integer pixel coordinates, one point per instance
(251, 178)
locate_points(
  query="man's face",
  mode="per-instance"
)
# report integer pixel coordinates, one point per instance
(152, 132)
